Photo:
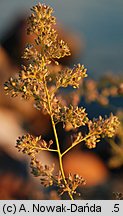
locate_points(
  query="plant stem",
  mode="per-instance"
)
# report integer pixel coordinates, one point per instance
(57, 142)
(76, 143)
(46, 149)
(115, 147)
(60, 158)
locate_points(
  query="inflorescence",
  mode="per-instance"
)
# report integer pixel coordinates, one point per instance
(35, 80)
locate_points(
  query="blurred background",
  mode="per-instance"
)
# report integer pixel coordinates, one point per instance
(99, 24)
(94, 33)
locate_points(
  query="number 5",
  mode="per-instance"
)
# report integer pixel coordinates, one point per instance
(116, 208)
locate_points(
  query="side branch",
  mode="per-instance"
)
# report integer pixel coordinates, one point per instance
(76, 143)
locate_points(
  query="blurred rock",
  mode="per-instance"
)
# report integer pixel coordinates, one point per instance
(87, 165)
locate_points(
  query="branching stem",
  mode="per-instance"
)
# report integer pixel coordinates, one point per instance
(57, 142)
(76, 143)
(45, 149)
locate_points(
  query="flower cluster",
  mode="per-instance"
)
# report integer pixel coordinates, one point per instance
(28, 84)
(75, 116)
(101, 128)
(71, 77)
(45, 172)
(116, 144)
(41, 24)
(108, 86)
(32, 145)
(118, 196)
(73, 182)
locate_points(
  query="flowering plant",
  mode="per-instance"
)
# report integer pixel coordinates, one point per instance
(35, 80)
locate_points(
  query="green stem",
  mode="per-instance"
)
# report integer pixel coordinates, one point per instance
(60, 158)
(46, 149)
(57, 143)
(76, 143)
